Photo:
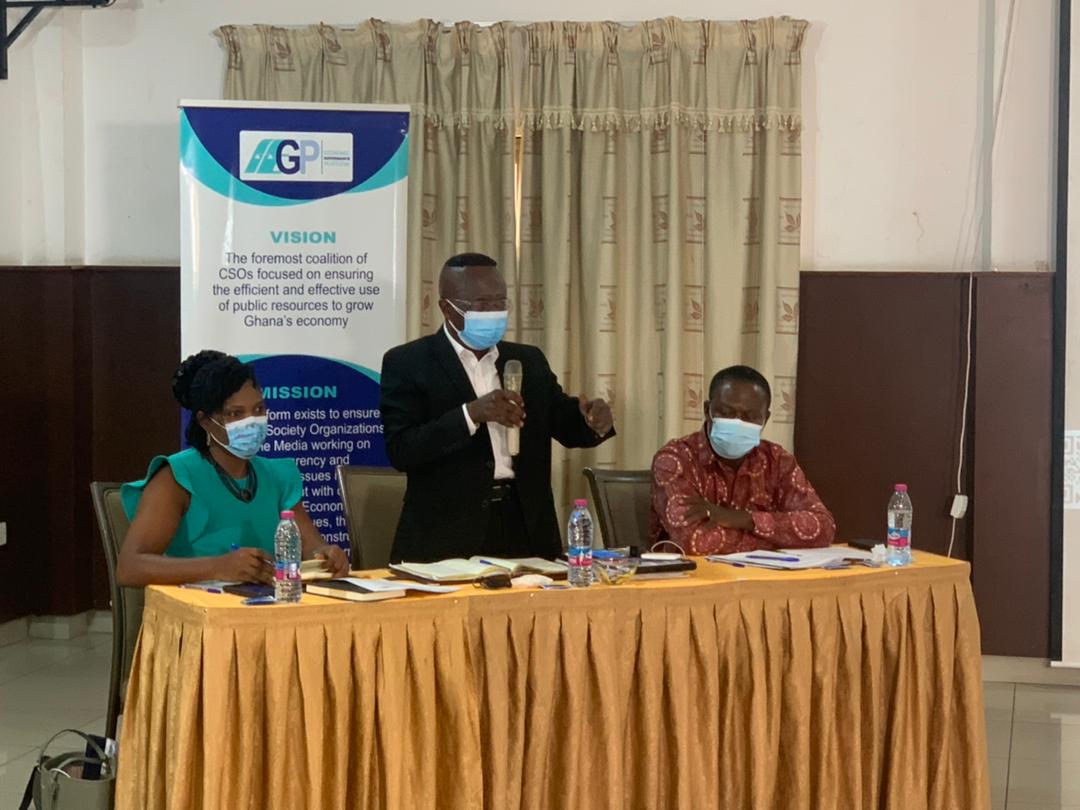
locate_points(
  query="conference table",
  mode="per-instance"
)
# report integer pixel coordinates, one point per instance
(731, 688)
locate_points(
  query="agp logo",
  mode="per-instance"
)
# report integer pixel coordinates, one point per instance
(282, 155)
(296, 156)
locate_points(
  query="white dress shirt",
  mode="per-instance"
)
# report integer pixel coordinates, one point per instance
(485, 379)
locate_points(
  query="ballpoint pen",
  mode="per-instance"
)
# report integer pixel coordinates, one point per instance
(772, 559)
(197, 587)
(236, 547)
(715, 558)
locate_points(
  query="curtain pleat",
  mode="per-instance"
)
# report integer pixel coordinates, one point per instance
(658, 215)
(457, 83)
(661, 210)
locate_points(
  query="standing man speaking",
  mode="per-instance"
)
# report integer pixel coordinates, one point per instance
(447, 422)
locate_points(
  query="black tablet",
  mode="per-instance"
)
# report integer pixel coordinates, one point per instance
(249, 590)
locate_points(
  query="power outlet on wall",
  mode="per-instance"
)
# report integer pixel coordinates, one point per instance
(3, 533)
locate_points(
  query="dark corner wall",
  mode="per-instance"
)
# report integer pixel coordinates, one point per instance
(881, 370)
(90, 353)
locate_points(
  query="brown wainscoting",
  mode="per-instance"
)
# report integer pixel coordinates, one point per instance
(90, 353)
(1012, 430)
(38, 437)
(881, 369)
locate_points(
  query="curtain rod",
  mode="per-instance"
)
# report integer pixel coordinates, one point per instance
(452, 23)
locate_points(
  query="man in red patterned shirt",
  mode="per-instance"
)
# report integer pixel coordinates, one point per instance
(723, 489)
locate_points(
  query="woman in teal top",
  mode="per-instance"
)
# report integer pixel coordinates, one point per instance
(209, 512)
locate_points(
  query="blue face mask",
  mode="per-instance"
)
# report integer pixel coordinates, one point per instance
(482, 329)
(246, 436)
(733, 438)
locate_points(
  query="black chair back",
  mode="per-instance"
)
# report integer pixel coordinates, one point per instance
(622, 501)
(127, 603)
(373, 497)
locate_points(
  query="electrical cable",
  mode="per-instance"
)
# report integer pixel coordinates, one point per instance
(964, 409)
(978, 222)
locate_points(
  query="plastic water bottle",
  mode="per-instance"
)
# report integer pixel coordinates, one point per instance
(898, 540)
(287, 587)
(579, 545)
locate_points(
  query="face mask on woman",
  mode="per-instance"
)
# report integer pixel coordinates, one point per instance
(246, 436)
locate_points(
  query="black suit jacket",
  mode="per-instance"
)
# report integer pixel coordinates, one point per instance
(450, 472)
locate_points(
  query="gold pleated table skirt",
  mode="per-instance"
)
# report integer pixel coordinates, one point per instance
(730, 689)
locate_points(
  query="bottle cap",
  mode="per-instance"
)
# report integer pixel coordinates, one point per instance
(581, 502)
(901, 487)
(288, 514)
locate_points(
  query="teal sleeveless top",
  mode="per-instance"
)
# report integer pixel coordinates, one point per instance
(215, 519)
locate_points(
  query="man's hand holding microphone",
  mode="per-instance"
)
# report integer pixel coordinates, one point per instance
(504, 406)
(500, 406)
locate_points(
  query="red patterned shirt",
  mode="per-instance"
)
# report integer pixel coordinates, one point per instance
(768, 483)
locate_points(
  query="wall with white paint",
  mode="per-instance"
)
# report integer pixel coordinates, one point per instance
(904, 166)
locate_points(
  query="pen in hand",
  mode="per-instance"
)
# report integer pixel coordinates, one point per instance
(236, 547)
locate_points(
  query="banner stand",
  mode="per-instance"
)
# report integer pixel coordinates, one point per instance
(292, 227)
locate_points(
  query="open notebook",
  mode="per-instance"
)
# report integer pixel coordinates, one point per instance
(472, 569)
(313, 570)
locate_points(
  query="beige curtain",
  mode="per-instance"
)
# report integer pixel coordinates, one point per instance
(457, 82)
(660, 214)
(651, 236)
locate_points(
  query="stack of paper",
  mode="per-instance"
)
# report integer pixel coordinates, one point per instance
(795, 559)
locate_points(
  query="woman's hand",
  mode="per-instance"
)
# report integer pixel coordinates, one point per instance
(334, 559)
(246, 565)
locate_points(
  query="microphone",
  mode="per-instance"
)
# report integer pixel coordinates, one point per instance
(512, 374)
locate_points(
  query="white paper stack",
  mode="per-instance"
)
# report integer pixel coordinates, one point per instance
(796, 559)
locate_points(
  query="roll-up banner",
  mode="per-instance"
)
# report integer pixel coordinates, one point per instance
(293, 258)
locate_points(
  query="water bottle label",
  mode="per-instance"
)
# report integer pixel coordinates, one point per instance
(898, 538)
(579, 557)
(287, 571)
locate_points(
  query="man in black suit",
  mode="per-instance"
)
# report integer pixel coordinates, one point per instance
(445, 418)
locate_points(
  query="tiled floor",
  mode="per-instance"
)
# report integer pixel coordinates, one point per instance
(46, 686)
(1033, 736)
(1033, 732)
